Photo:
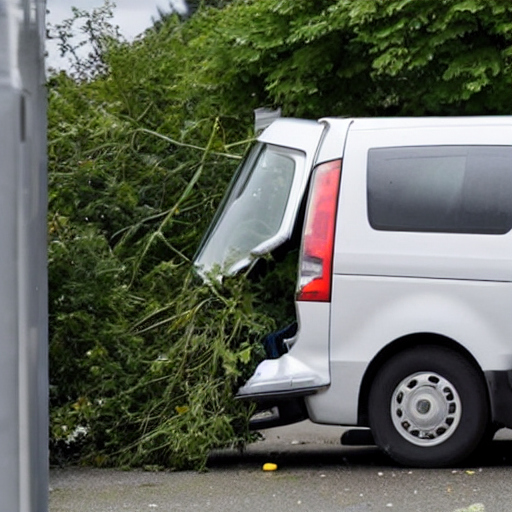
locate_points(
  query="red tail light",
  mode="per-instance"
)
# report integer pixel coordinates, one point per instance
(318, 239)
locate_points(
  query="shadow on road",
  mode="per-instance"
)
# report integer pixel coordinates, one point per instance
(308, 455)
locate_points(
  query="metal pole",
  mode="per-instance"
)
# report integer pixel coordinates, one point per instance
(23, 278)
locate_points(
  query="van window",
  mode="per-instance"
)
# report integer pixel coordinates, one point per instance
(444, 189)
(253, 209)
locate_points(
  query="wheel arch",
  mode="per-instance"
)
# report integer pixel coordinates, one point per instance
(396, 346)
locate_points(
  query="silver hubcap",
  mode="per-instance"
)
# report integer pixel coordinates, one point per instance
(425, 409)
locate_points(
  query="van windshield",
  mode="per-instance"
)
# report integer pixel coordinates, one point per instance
(252, 211)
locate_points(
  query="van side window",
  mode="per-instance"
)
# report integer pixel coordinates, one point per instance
(443, 189)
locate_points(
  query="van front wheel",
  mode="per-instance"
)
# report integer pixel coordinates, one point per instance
(428, 407)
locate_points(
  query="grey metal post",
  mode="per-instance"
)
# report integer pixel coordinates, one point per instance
(23, 281)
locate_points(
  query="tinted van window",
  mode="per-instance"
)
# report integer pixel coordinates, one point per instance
(447, 189)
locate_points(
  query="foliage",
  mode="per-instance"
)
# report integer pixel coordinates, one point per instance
(84, 39)
(367, 57)
(144, 360)
(158, 392)
(143, 138)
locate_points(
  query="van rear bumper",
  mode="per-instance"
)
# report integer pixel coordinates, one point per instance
(499, 384)
(286, 376)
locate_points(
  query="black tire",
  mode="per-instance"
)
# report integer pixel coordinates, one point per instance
(428, 407)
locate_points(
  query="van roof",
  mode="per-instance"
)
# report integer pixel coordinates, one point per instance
(303, 134)
(386, 123)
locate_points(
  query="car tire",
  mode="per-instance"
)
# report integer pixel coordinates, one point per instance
(428, 407)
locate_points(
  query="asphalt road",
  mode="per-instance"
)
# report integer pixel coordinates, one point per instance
(314, 474)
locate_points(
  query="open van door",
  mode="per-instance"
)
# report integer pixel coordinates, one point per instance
(259, 210)
(259, 214)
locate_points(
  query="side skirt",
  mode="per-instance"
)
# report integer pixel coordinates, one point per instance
(499, 384)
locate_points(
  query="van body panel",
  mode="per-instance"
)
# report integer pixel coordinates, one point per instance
(311, 343)
(333, 142)
(369, 313)
(362, 250)
(338, 404)
(306, 366)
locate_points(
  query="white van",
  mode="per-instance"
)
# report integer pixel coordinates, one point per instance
(404, 301)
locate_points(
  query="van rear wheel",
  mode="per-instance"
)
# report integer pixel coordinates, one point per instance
(428, 407)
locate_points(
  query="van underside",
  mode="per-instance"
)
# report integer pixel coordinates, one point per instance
(277, 413)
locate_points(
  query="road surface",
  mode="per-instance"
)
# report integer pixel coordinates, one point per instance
(314, 474)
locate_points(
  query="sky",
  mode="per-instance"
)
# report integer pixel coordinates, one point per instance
(132, 16)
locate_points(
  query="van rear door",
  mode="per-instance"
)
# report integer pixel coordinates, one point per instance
(259, 210)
